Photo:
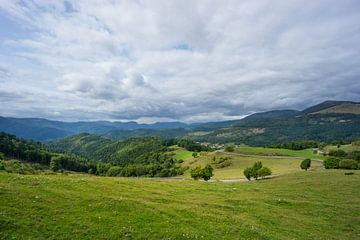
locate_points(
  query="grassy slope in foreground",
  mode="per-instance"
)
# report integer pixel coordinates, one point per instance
(239, 163)
(306, 205)
(306, 153)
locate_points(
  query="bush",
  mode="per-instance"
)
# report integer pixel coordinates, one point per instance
(229, 148)
(337, 153)
(114, 171)
(305, 164)
(348, 164)
(263, 172)
(332, 163)
(2, 156)
(194, 154)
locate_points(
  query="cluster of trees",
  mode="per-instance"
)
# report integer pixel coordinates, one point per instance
(205, 173)
(297, 145)
(18, 148)
(136, 156)
(336, 163)
(139, 170)
(340, 159)
(72, 162)
(256, 171)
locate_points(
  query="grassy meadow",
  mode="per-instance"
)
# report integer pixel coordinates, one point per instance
(181, 153)
(302, 205)
(347, 148)
(238, 163)
(306, 153)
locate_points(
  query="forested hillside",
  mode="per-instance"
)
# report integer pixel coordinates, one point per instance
(268, 131)
(137, 156)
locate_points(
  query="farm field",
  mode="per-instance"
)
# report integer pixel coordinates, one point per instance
(239, 163)
(306, 153)
(301, 205)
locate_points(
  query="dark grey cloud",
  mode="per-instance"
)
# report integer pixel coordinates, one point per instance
(161, 60)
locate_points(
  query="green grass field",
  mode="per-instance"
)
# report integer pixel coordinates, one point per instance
(181, 153)
(239, 163)
(306, 153)
(347, 148)
(303, 205)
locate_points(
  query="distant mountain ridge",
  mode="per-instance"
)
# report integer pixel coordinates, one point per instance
(334, 107)
(335, 118)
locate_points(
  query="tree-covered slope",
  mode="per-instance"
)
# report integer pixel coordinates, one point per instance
(264, 131)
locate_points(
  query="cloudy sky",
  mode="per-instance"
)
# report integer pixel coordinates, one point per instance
(175, 60)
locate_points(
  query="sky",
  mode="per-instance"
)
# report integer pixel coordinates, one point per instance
(191, 61)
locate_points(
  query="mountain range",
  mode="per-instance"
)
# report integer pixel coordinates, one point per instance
(327, 121)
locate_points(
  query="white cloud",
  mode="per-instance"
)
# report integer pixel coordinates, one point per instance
(175, 60)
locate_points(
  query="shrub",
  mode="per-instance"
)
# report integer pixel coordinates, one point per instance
(337, 153)
(264, 171)
(2, 156)
(114, 171)
(305, 164)
(229, 148)
(194, 154)
(348, 164)
(332, 163)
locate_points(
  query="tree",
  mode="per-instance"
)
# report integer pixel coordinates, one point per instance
(305, 164)
(194, 154)
(196, 172)
(337, 153)
(331, 163)
(229, 148)
(263, 172)
(55, 163)
(256, 167)
(256, 171)
(207, 172)
(248, 173)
